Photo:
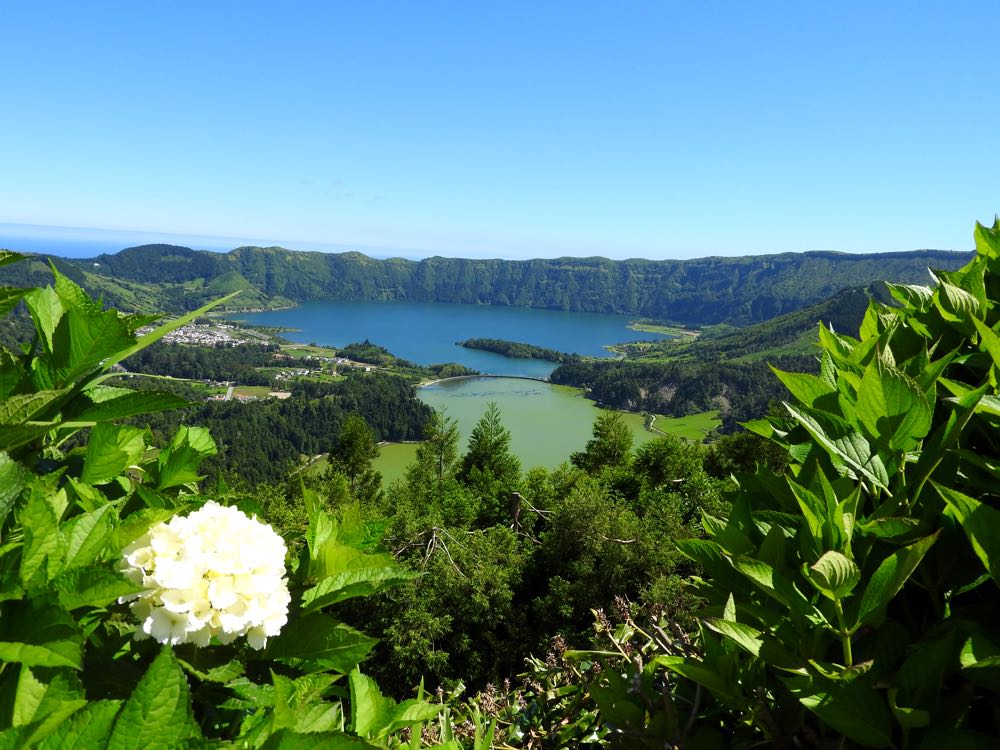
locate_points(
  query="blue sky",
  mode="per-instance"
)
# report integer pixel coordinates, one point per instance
(507, 129)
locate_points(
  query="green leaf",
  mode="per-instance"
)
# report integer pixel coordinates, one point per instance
(87, 729)
(918, 681)
(45, 699)
(818, 513)
(744, 636)
(911, 295)
(136, 524)
(980, 659)
(12, 373)
(987, 240)
(158, 713)
(892, 408)
(178, 462)
(714, 561)
(13, 437)
(40, 635)
(351, 583)
(47, 310)
(118, 403)
(87, 535)
(838, 346)
(890, 527)
(851, 708)
(94, 336)
(807, 389)
(411, 712)
(42, 691)
(44, 545)
(71, 293)
(26, 406)
(9, 297)
(908, 718)
(843, 443)
(701, 673)
(91, 587)
(777, 586)
(321, 640)
(979, 522)
(12, 478)
(9, 256)
(214, 665)
(989, 341)
(955, 304)
(110, 450)
(834, 575)
(888, 579)
(371, 712)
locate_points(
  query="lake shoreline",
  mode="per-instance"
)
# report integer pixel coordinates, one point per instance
(425, 333)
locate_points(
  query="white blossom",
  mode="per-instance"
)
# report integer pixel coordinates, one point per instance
(213, 573)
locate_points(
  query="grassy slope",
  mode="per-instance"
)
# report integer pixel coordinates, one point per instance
(790, 334)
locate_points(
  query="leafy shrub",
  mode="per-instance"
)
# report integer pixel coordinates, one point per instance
(72, 672)
(852, 601)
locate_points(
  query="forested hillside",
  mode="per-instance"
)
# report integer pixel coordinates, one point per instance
(727, 372)
(691, 292)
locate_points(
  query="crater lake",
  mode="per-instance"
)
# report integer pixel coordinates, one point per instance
(426, 332)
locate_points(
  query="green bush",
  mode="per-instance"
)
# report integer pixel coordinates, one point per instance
(72, 672)
(851, 601)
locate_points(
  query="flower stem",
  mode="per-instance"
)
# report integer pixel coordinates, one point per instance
(845, 634)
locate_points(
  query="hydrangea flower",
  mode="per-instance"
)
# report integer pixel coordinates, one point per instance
(213, 573)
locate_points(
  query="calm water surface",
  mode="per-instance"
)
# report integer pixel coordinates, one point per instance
(547, 422)
(426, 332)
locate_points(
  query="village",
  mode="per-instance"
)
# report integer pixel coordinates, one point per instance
(322, 364)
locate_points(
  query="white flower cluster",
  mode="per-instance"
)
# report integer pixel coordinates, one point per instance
(213, 573)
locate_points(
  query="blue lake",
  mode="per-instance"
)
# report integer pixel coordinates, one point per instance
(426, 333)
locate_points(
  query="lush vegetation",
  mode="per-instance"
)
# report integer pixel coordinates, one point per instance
(78, 670)
(264, 441)
(221, 363)
(725, 371)
(849, 600)
(738, 391)
(513, 560)
(518, 350)
(373, 354)
(791, 334)
(840, 592)
(690, 292)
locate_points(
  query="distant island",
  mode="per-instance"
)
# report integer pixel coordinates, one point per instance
(518, 350)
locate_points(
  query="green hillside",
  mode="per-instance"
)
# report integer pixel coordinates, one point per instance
(727, 372)
(791, 334)
(704, 291)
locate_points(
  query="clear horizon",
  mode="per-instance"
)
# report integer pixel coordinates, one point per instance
(88, 242)
(519, 130)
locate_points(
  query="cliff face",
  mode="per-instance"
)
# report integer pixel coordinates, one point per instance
(740, 290)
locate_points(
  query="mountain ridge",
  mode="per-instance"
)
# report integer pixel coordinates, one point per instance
(737, 290)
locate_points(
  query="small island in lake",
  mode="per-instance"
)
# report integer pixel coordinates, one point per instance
(518, 350)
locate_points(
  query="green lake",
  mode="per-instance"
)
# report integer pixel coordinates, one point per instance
(547, 422)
